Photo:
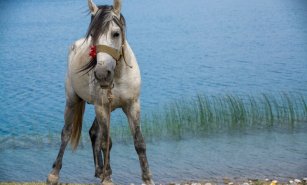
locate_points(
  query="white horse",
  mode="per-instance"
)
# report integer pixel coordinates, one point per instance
(111, 68)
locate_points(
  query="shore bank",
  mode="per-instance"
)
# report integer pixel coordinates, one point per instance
(225, 181)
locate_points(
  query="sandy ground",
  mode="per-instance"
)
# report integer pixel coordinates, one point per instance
(226, 182)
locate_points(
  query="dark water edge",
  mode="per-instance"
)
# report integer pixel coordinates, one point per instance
(122, 135)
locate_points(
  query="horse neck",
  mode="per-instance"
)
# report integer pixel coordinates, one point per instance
(123, 66)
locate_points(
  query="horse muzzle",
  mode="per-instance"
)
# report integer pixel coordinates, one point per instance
(104, 76)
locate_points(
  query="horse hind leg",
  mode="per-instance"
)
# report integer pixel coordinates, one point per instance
(106, 178)
(73, 118)
(97, 159)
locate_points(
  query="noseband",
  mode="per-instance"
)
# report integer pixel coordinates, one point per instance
(116, 54)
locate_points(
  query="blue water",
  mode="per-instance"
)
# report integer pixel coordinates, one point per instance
(183, 48)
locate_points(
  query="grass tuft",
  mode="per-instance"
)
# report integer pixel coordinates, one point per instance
(206, 114)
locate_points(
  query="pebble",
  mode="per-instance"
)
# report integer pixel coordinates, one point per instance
(208, 183)
(267, 180)
(195, 184)
(245, 183)
(274, 182)
(297, 181)
(230, 183)
(291, 181)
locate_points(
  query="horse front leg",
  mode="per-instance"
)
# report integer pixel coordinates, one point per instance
(107, 176)
(102, 118)
(132, 112)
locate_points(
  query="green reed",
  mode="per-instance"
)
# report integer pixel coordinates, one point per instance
(206, 114)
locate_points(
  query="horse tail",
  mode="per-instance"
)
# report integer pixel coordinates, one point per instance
(77, 124)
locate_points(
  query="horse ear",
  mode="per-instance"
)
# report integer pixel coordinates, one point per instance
(93, 8)
(117, 4)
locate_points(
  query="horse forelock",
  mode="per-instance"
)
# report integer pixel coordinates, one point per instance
(101, 20)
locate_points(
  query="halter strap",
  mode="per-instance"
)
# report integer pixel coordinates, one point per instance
(116, 54)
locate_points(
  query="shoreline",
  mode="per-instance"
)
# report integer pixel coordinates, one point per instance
(201, 182)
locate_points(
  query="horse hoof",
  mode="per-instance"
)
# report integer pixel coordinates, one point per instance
(149, 182)
(107, 181)
(52, 179)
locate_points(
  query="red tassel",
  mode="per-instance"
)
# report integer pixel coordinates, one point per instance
(92, 52)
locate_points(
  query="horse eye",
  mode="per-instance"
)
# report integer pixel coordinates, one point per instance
(115, 35)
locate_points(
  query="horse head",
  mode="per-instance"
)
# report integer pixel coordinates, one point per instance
(107, 34)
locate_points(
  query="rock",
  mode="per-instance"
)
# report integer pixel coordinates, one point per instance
(305, 179)
(195, 184)
(230, 183)
(291, 181)
(226, 180)
(267, 180)
(245, 183)
(274, 182)
(297, 181)
(208, 183)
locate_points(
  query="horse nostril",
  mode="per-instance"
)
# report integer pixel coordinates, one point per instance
(98, 75)
(108, 75)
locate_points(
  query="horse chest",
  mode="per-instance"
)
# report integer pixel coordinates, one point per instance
(125, 93)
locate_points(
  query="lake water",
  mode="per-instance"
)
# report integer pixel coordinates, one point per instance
(183, 48)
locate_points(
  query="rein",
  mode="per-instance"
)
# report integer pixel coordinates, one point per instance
(106, 159)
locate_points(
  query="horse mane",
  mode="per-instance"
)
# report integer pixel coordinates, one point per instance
(99, 24)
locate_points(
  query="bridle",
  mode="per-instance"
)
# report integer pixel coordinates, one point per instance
(117, 54)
